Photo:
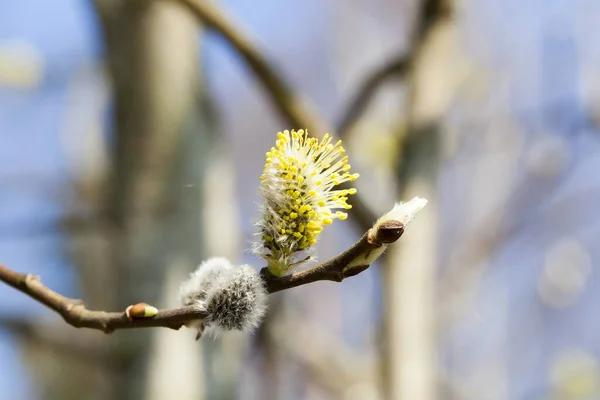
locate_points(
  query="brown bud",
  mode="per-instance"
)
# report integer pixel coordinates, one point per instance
(388, 232)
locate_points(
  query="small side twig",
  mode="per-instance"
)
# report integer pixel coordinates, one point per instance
(76, 314)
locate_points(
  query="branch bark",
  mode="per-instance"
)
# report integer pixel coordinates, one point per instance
(76, 314)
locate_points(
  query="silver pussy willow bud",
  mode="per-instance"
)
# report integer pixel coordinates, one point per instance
(237, 300)
(233, 297)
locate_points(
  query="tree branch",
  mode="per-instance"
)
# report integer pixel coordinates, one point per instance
(289, 104)
(76, 314)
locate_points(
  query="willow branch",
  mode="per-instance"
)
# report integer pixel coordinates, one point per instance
(76, 314)
(289, 104)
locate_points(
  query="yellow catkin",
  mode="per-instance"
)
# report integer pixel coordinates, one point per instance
(297, 186)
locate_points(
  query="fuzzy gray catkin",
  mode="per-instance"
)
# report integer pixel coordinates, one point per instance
(237, 300)
(234, 297)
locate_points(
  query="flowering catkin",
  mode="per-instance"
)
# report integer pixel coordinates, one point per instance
(296, 187)
(233, 296)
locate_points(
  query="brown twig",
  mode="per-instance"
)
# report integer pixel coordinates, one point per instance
(76, 314)
(337, 269)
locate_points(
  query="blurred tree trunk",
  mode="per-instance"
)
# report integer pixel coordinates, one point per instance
(163, 127)
(409, 275)
(148, 233)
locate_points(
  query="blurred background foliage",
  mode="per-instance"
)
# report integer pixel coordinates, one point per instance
(132, 138)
